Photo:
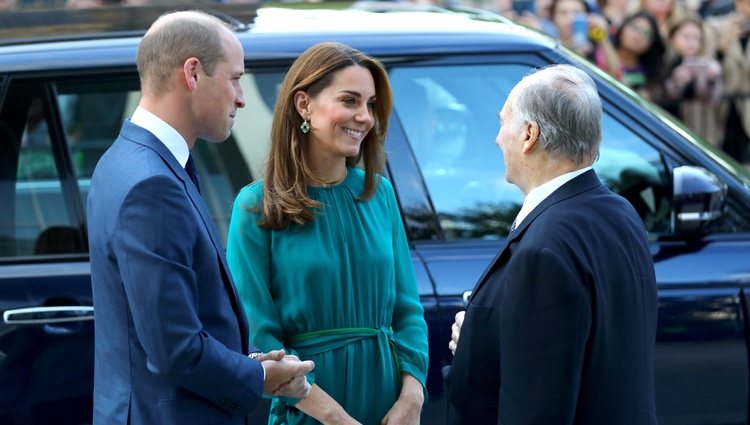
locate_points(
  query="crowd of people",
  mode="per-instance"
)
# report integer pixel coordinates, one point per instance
(690, 57)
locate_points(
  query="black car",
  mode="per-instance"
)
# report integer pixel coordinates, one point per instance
(62, 104)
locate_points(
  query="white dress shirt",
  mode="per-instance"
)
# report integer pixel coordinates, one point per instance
(164, 132)
(540, 193)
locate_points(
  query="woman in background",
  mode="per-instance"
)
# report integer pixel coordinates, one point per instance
(730, 37)
(641, 52)
(693, 85)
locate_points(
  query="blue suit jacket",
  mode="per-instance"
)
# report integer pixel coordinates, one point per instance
(561, 327)
(171, 336)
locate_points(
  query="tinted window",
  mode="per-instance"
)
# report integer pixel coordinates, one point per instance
(92, 115)
(449, 115)
(451, 125)
(36, 219)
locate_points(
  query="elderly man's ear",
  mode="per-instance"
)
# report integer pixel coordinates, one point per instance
(531, 133)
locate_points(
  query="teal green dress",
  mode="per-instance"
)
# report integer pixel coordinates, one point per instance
(339, 290)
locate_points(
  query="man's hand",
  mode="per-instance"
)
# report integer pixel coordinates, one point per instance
(285, 374)
(456, 331)
(298, 387)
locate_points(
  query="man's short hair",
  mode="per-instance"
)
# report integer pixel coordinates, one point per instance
(172, 39)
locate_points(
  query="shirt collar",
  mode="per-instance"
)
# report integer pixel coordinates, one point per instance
(164, 132)
(540, 193)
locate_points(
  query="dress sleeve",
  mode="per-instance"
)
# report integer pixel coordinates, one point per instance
(409, 327)
(249, 259)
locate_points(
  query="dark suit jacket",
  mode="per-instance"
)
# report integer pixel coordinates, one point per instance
(561, 327)
(171, 336)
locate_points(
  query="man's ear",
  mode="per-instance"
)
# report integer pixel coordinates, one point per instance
(531, 136)
(303, 104)
(191, 69)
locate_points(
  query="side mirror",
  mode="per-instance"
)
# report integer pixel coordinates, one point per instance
(698, 200)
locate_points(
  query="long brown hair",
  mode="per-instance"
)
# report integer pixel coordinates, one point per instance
(288, 172)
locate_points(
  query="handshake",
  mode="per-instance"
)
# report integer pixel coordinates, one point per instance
(285, 374)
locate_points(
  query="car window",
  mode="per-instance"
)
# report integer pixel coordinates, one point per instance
(637, 171)
(449, 115)
(451, 128)
(36, 219)
(92, 115)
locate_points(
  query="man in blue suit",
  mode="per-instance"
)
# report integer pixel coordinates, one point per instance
(171, 336)
(561, 327)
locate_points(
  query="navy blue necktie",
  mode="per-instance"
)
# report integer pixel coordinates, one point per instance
(192, 172)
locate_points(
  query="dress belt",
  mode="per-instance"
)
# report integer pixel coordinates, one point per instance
(311, 343)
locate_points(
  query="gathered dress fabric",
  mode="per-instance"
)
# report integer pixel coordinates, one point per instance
(339, 290)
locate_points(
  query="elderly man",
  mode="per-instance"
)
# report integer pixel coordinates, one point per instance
(561, 327)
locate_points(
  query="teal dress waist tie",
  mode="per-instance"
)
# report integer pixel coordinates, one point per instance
(317, 342)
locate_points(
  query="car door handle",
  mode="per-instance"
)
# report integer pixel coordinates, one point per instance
(45, 315)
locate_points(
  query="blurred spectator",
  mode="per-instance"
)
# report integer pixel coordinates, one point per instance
(531, 13)
(692, 88)
(666, 13)
(92, 4)
(729, 35)
(641, 52)
(715, 7)
(8, 5)
(594, 44)
(615, 12)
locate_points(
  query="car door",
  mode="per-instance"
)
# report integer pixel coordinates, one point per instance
(46, 334)
(53, 131)
(462, 207)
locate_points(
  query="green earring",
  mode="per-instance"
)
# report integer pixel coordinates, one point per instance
(305, 127)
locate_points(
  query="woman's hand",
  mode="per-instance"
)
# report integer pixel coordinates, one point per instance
(407, 409)
(324, 408)
(681, 76)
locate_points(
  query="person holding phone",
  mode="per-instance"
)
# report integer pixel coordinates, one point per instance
(693, 85)
(584, 32)
(530, 13)
(730, 35)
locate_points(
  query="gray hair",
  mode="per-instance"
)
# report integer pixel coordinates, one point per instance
(563, 101)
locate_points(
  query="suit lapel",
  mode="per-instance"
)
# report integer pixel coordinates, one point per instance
(143, 137)
(575, 187)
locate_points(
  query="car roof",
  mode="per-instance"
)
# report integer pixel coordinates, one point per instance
(282, 33)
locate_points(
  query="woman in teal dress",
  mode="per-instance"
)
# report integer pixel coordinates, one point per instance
(319, 253)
